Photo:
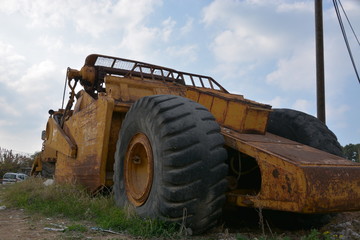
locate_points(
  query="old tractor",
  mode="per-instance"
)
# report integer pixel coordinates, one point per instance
(175, 145)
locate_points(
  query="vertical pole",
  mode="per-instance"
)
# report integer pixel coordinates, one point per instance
(320, 76)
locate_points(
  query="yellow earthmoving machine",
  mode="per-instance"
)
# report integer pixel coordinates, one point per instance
(177, 145)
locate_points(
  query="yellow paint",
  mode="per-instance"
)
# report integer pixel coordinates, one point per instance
(58, 140)
(290, 182)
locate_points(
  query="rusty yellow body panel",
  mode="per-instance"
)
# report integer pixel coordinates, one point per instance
(283, 175)
(89, 128)
(233, 111)
(58, 140)
(296, 177)
(128, 90)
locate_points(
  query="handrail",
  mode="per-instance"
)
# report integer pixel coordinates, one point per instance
(128, 68)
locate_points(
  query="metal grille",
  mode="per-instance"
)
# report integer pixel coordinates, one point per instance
(128, 68)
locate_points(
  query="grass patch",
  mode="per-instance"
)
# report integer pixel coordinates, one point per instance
(77, 228)
(75, 203)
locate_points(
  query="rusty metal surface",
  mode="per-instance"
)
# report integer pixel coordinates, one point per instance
(233, 111)
(291, 151)
(89, 128)
(332, 188)
(130, 68)
(296, 177)
(128, 90)
(139, 169)
(116, 122)
(57, 139)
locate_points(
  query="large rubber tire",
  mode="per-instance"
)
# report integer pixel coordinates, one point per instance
(303, 128)
(188, 162)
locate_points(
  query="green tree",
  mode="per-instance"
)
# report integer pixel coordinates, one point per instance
(352, 152)
(13, 162)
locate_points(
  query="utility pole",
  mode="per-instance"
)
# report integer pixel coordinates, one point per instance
(320, 75)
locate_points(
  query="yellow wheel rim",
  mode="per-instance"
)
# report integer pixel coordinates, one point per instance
(138, 169)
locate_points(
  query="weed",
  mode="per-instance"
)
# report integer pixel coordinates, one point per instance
(314, 235)
(75, 202)
(241, 237)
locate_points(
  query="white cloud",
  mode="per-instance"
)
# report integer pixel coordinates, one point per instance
(10, 62)
(8, 53)
(242, 45)
(51, 43)
(9, 6)
(240, 39)
(137, 44)
(187, 52)
(296, 72)
(106, 15)
(188, 27)
(302, 105)
(254, 34)
(93, 17)
(168, 26)
(277, 102)
(85, 49)
(23, 140)
(337, 114)
(8, 108)
(300, 6)
(40, 14)
(5, 123)
(36, 79)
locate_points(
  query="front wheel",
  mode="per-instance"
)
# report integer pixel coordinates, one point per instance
(170, 162)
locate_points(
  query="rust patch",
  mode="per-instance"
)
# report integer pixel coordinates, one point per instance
(333, 189)
(275, 173)
(288, 183)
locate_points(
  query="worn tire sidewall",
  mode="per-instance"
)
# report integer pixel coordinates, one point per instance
(128, 130)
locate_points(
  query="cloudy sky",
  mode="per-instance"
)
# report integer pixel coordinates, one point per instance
(263, 49)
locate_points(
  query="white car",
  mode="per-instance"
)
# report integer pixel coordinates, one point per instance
(13, 178)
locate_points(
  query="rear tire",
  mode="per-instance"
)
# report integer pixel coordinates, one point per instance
(305, 129)
(183, 170)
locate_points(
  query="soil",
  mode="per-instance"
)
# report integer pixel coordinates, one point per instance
(18, 224)
(248, 223)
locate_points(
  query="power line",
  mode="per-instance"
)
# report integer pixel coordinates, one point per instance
(336, 6)
(348, 20)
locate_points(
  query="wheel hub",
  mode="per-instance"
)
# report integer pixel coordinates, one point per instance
(138, 169)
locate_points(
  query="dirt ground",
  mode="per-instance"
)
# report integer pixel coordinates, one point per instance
(17, 224)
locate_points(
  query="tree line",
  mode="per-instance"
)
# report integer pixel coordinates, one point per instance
(352, 152)
(14, 162)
